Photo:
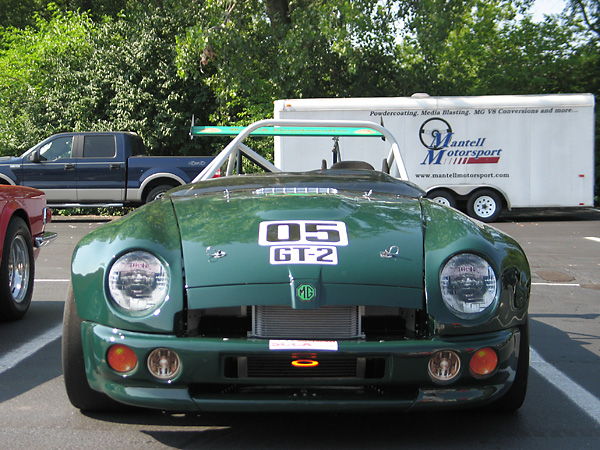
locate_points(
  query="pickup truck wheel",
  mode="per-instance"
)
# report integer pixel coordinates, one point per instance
(158, 192)
(484, 205)
(16, 271)
(80, 393)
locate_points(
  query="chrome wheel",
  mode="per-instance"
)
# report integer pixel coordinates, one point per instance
(19, 269)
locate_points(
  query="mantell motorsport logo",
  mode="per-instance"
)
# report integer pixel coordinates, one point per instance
(443, 148)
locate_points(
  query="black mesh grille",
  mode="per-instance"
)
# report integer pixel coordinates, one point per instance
(309, 367)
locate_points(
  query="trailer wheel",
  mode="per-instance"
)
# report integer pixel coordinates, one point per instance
(484, 205)
(442, 197)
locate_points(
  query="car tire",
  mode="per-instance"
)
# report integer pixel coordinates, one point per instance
(81, 395)
(17, 271)
(158, 192)
(484, 205)
(443, 198)
(515, 396)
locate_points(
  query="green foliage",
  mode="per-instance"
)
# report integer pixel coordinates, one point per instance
(148, 65)
(72, 73)
(321, 49)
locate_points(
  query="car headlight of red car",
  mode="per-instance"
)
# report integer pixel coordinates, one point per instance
(138, 281)
(468, 285)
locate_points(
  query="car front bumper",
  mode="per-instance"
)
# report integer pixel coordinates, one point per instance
(214, 374)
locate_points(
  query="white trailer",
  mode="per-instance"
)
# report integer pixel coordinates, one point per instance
(483, 154)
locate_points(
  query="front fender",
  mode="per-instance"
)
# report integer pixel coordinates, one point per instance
(151, 228)
(25, 202)
(448, 232)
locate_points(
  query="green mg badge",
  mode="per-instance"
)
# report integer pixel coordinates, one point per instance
(305, 292)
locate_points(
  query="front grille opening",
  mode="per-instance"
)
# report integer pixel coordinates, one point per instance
(369, 323)
(282, 366)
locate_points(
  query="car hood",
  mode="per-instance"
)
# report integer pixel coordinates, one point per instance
(248, 238)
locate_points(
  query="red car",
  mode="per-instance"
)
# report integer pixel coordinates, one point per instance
(23, 219)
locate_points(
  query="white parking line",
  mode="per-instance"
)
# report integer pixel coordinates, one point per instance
(583, 399)
(37, 280)
(595, 239)
(14, 357)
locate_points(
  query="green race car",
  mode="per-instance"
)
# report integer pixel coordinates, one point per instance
(332, 290)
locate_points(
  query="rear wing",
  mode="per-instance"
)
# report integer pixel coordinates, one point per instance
(282, 128)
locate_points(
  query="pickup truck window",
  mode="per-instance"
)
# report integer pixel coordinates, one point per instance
(59, 148)
(100, 146)
(137, 146)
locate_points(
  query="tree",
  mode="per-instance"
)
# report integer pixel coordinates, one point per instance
(253, 52)
(589, 10)
(71, 73)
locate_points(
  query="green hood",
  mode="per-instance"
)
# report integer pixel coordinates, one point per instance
(230, 223)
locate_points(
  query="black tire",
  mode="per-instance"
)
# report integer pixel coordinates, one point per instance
(515, 396)
(442, 197)
(81, 395)
(158, 192)
(17, 271)
(484, 205)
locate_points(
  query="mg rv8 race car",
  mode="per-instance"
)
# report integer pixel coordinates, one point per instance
(337, 289)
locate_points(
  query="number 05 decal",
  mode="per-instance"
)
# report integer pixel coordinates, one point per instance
(303, 241)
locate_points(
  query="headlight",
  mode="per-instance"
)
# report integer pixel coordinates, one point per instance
(468, 285)
(138, 281)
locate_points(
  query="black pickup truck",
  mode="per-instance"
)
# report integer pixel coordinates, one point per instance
(98, 169)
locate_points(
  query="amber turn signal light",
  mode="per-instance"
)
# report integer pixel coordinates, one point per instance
(121, 358)
(483, 362)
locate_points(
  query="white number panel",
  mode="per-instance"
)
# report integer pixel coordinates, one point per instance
(303, 241)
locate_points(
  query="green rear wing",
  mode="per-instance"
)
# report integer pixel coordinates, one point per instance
(285, 131)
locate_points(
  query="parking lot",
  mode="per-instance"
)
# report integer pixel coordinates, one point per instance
(562, 408)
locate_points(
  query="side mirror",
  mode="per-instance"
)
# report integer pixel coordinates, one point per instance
(35, 156)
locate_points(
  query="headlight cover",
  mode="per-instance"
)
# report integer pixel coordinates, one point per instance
(468, 284)
(138, 281)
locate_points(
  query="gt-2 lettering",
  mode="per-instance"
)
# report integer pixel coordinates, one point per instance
(303, 255)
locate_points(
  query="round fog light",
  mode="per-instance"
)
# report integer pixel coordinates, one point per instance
(163, 363)
(121, 358)
(483, 362)
(444, 366)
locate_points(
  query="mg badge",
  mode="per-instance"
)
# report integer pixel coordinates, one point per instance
(305, 292)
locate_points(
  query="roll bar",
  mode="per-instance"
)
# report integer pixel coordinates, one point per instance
(294, 127)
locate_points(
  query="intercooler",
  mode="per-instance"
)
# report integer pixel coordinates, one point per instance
(328, 322)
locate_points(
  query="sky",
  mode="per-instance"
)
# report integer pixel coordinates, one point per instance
(547, 7)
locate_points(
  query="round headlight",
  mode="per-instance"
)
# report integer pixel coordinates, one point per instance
(138, 281)
(468, 285)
